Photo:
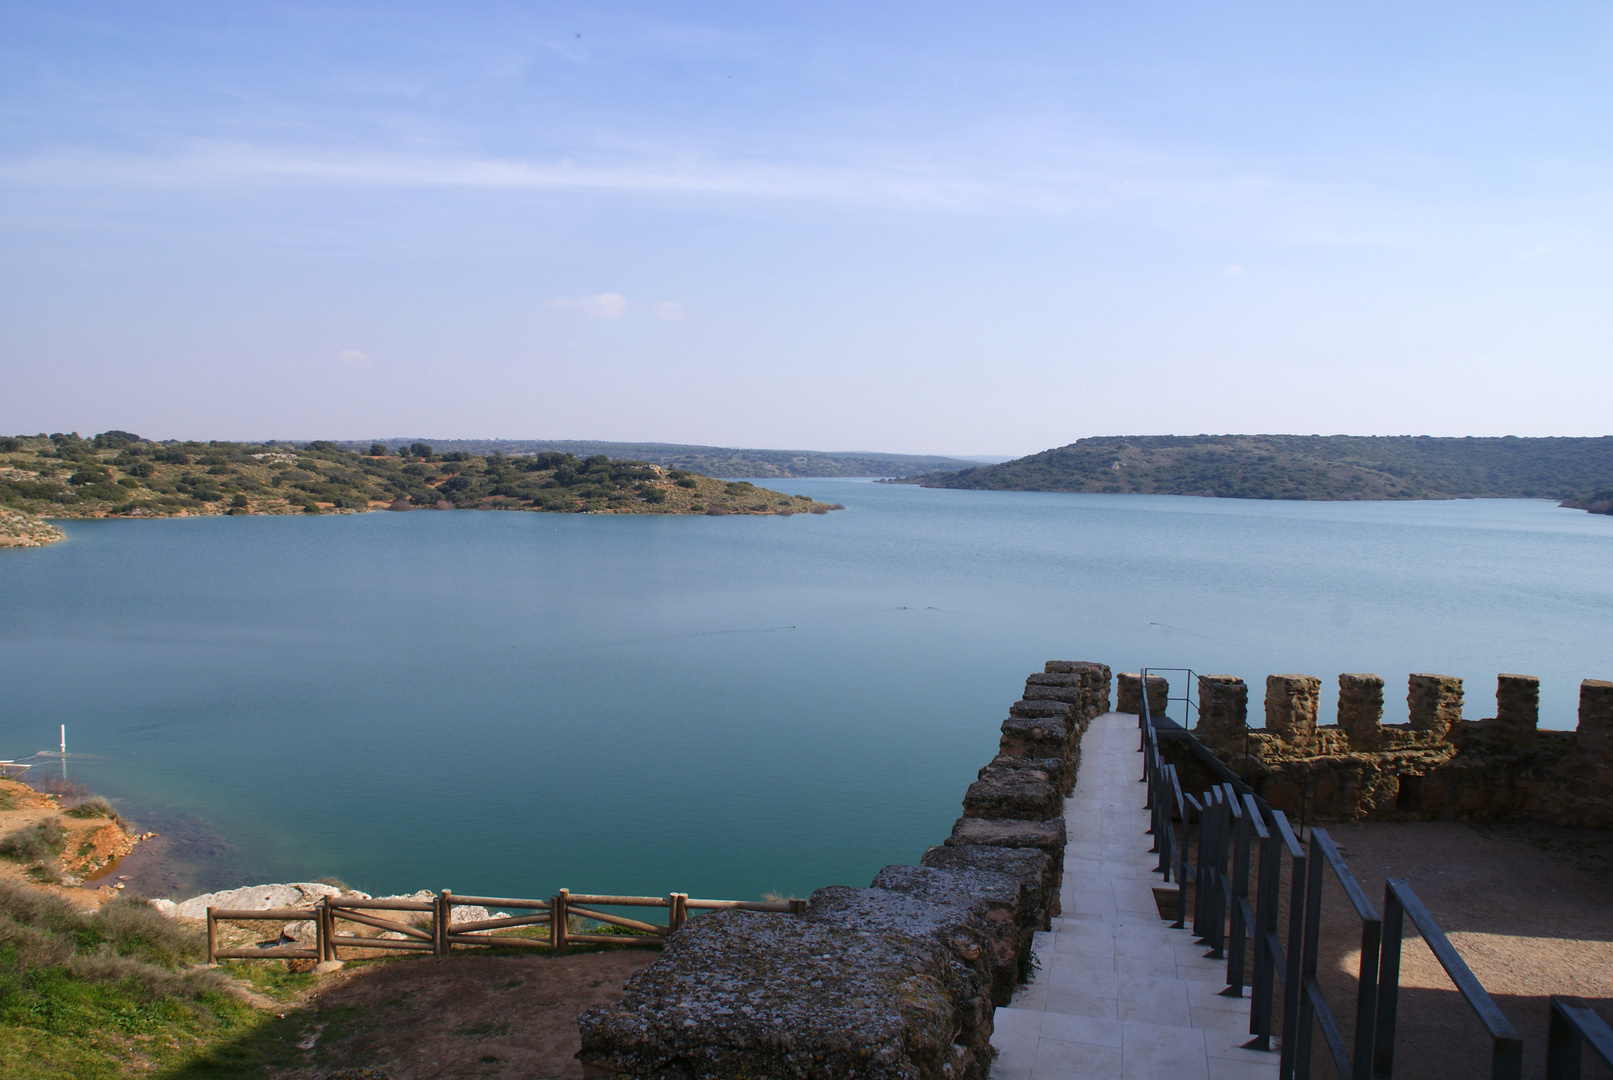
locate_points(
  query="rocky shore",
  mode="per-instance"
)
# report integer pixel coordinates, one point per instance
(18, 529)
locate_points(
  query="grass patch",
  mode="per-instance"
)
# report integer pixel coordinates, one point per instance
(103, 995)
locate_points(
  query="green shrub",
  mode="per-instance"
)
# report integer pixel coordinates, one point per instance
(34, 843)
(96, 807)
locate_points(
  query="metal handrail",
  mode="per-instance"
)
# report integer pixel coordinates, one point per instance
(1229, 819)
(1190, 707)
(1506, 1054)
(1573, 1026)
(1353, 1062)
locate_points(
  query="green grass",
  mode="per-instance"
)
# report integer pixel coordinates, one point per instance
(90, 996)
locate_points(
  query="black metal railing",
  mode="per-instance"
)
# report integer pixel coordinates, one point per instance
(1506, 1051)
(1573, 1027)
(1214, 840)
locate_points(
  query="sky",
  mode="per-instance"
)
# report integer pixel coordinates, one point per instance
(926, 228)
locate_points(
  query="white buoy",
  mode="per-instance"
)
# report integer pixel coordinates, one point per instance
(64, 740)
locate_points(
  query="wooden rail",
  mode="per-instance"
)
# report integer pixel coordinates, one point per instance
(434, 930)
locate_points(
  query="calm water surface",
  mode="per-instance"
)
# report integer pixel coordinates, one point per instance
(511, 703)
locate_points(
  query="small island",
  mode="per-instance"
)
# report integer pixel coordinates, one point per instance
(119, 474)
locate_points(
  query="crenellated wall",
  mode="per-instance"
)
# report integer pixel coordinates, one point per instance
(897, 981)
(1436, 766)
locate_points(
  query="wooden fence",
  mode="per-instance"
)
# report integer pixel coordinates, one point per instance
(437, 933)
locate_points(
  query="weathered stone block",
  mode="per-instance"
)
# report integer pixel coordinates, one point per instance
(1517, 705)
(1045, 710)
(1434, 702)
(740, 994)
(1291, 705)
(954, 924)
(1035, 738)
(1595, 733)
(1128, 693)
(1007, 941)
(1361, 709)
(1095, 680)
(1011, 793)
(1223, 709)
(1035, 872)
(1048, 837)
(1054, 770)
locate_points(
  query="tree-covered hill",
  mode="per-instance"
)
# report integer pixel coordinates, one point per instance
(1305, 467)
(119, 473)
(711, 460)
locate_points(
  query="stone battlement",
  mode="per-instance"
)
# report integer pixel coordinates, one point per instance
(1435, 766)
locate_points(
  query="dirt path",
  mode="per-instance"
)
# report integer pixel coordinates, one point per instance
(1529, 908)
(459, 1016)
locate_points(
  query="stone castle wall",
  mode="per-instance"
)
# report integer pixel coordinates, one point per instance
(898, 980)
(1437, 766)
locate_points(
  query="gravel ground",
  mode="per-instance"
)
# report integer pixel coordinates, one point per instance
(1529, 908)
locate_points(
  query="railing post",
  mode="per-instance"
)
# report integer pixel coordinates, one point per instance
(1263, 986)
(443, 916)
(1292, 992)
(1309, 949)
(1240, 896)
(678, 912)
(328, 925)
(557, 920)
(212, 937)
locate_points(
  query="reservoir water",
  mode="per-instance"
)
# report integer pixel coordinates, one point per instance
(508, 703)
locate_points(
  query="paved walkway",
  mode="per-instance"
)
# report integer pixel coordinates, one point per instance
(1118, 993)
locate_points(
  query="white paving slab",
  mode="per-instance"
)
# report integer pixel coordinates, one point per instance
(1118, 994)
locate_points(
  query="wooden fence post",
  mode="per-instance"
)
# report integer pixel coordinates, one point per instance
(678, 903)
(327, 926)
(212, 937)
(444, 916)
(557, 920)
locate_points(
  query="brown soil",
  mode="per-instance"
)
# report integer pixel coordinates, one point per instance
(93, 845)
(1529, 908)
(458, 1016)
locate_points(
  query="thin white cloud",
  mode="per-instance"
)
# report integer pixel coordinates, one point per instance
(670, 310)
(353, 357)
(599, 306)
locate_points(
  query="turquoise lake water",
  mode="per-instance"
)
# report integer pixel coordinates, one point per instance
(506, 703)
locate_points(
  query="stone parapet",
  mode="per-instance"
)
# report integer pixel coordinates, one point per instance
(1022, 794)
(1361, 710)
(1517, 705)
(875, 1005)
(1094, 683)
(1292, 702)
(1596, 719)
(1223, 709)
(1128, 693)
(1032, 869)
(1434, 702)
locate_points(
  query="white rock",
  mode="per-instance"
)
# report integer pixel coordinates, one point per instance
(167, 907)
(259, 898)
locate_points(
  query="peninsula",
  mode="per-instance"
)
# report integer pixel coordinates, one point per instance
(1575, 471)
(119, 474)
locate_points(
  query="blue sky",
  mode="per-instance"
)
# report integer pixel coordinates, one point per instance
(912, 227)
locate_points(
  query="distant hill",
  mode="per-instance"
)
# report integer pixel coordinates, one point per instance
(1306, 467)
(707, 460)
